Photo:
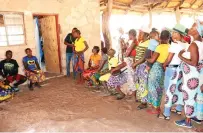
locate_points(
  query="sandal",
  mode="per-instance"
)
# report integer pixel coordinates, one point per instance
(176, 111)
(162, 116)
(120, 96)
(142, 106)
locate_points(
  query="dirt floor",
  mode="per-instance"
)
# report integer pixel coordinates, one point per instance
(61, 105)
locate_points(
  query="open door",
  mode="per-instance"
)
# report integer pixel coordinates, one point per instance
(50, 46)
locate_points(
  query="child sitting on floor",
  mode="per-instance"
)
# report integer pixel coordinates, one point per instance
(93, 64)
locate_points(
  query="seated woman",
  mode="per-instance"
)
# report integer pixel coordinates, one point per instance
(93, 64)
(112, 63)
(156, 73)
(103, 68)
(32, 69)
(9, 70)
(126, 75)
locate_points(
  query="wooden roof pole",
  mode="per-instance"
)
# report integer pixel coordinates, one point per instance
(105, 24)
(150, 18)
(178, 15)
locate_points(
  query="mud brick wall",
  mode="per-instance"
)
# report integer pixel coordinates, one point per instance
(83, 14)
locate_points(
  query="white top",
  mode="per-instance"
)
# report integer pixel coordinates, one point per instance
(200, 49)
(176, 48)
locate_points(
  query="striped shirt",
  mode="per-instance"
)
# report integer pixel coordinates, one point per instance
(140, 50)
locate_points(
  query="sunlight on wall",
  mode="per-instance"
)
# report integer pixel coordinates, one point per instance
(161, 21)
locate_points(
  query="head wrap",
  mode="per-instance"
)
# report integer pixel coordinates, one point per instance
(199, 28)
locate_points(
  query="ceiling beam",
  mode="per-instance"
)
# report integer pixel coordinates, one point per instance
(155, 5)
(167, 4)
(193, 3)
(129, 8)
(201, 6)
(181, 2)
(119, 3)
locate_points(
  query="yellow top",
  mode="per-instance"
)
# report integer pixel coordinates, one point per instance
(95, 59)
(113, 62)
(162, 49)
(79, 44)
(144, 44)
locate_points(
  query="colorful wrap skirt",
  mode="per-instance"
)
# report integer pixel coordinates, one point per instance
(126, 77)
(174, 88)
(88, 73)
(95, 77)
(141, 79)
(78, 62)
(155, 84)
(118, 80)
(199, 100)
(33, 77)
(130, 74)
(191, 85)
(6, 92)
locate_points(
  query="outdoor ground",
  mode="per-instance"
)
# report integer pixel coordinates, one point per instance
(61, 105)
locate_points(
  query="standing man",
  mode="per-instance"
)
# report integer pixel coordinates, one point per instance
(69, 42)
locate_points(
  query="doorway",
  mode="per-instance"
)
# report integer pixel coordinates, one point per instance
(47, 42)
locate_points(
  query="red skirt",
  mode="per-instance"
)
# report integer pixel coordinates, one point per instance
(88, 73)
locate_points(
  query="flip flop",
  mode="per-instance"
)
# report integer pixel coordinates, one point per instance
(119, 96)
(162, 116)
(141, 106)
(176, 111)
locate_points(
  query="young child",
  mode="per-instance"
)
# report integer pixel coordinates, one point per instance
(93, 64)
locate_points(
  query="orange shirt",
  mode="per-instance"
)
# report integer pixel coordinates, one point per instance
(95, 60)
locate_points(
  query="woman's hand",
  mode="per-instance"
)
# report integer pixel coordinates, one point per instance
(148, 68)
(180, 53)
(114, 70)
(164, 67)
(134, 65)
(201, 88)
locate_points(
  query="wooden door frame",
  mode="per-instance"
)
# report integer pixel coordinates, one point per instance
(57, 33)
